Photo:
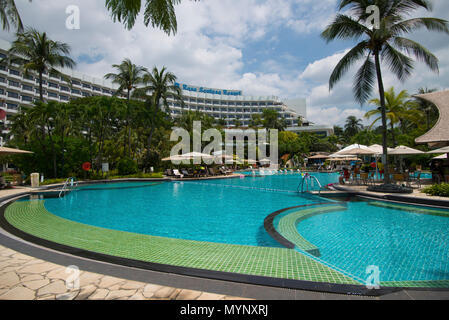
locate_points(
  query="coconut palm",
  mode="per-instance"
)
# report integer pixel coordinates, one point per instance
(128, 77)
(398, 109)
(427, 107)
(158, 87)
(158, 13)
(353, 126)
(381, 41)
(10, 15)
(36, 52)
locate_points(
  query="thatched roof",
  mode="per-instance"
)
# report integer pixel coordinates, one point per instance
(440, 132)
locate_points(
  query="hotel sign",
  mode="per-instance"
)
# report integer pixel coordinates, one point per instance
(186, 87)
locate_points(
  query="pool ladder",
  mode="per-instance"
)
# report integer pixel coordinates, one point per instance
(307, 180)
(69, 185)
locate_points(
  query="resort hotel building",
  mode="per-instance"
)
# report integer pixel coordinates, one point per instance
(232, 107)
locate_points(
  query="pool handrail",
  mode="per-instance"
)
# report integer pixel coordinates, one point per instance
(73, 185)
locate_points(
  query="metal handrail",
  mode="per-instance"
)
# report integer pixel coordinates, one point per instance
(73, 185)
(306, 181)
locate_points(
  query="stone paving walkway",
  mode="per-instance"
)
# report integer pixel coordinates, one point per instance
(26, 278)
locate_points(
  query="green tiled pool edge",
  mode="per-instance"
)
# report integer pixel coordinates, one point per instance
(32, 218)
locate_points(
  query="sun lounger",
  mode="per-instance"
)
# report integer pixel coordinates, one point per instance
(177, 174)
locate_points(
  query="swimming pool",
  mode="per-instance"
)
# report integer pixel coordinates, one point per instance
(221, 225)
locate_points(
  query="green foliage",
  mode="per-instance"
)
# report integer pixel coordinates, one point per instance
(127, 166)
(440, 190)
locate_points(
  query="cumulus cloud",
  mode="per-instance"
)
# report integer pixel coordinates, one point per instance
(212, 44)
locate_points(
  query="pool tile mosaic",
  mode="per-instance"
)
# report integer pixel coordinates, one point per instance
(31, 217)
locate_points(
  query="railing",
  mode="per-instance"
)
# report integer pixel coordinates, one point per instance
(307, 180)
(69, 185)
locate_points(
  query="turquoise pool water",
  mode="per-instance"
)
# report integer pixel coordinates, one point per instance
(217, 211)
(405, 246)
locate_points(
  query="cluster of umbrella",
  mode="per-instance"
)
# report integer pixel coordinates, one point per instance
(216, 156)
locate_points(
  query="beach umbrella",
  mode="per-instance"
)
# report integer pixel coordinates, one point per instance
(441, 150)
(403, 150)
(6, 151)
(442, 157)
(357, 152)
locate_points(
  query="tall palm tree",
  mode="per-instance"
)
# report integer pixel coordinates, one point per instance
(10, 15)
(353, 126)
(36, 52)
(158, 87)
(383, 41)
(398, 108)
(158, 13)
(128, 77)
(272, 119)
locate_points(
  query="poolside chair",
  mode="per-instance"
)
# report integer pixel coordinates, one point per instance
(364, 178)
(169, 173)
(186, 174)
(177, 174)
(212, 172)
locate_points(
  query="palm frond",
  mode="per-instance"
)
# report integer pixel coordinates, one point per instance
(364, 81)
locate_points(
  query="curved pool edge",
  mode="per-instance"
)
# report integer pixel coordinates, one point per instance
(386, 288)
(324, 287)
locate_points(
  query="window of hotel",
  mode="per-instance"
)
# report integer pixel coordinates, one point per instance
(28, 77)
(44, 82)
(86, 94)
(208, 102)
(14, 83)
(52, 94)
(53, 85)
(85, 85)
(239, 103)
(2, 80)
(96, 89)
(54, 76)
(12, 106)
(76, 83)
(44, 92)
(64, 98)
(13, 95)
(75, 91)
(14, 72)
(67, 89)
(106, 91)
(2, 92)
(27, 98)
(2, 55)
(3, 67)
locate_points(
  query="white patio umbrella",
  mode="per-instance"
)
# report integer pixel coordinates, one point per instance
(403, 150)
(442, 157)
(6, 151)
(441, 150)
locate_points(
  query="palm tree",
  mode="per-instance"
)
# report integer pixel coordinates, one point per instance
(158, 87)
(128, 77)
(36, 52)
(272, 120)
(353, 126)
(427, 107)
(10, 15)
(158, 13)
(385, 41)
(398, 108)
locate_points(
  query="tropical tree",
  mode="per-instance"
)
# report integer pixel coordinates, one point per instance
(381, 40)
(398, 108)
(158, 13)
(272, 120)
(36, 52)
(128, 77)
(158, 87)
(427, 107)
(353, 126)
(10, 15)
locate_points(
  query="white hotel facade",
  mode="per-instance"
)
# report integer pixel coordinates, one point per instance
(18, 91)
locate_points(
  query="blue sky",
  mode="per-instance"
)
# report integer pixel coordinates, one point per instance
(263, 47)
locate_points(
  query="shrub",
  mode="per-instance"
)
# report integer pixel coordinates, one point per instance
(440, 190)
(127, 166)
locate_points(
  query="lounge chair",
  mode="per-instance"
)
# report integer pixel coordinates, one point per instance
(169, 173)
(212, 172)
(225, 171)
(186, 173)
(177, 174)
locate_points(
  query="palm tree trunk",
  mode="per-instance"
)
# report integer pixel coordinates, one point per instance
(41, 90)
(384, 118)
